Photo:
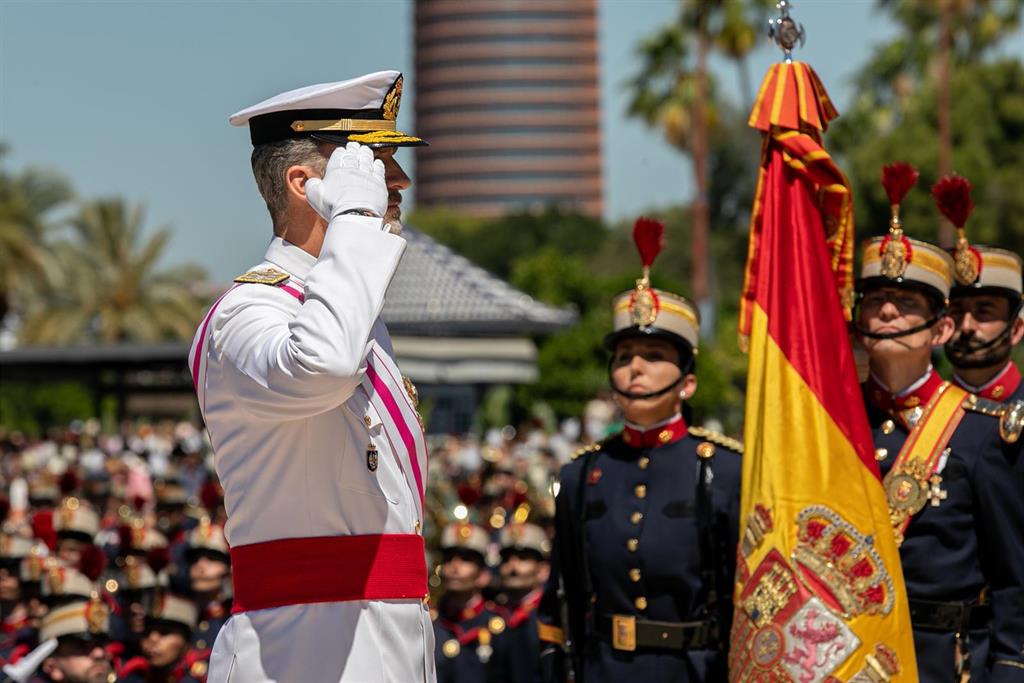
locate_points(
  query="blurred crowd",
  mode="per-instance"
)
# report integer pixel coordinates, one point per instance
(114, 563)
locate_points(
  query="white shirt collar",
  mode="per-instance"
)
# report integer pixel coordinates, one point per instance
(289, 258)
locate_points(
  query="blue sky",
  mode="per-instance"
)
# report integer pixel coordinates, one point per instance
(131, 99)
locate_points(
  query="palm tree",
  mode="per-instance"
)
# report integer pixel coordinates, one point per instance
(671, 92)
(27, 201)
(948, 31)
(113, 293)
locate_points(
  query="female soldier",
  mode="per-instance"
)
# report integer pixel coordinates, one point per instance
(646, 521)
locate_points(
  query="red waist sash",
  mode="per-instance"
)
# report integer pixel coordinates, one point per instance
(296, 571)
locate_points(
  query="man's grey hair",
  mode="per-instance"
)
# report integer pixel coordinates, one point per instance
(271, 160)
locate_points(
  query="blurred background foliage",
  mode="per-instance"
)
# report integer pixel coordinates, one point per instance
(938, 93)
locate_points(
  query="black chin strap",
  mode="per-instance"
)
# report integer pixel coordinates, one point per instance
(958, 348)
(651, 394)
(864, 332)
(683, 372)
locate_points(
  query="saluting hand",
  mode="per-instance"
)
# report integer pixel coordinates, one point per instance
(353, 179)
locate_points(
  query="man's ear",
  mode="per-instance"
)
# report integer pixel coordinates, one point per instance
(484, 579)
(1018, 330)
(51, 669)
(943, 330)
(295, 178)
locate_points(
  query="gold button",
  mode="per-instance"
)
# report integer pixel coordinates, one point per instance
(203, 625)
(641, 603)
(643, 462)
(636, 517)
(881, 454)
(416, 527)
(201, 644)
(632, 544)
(634, 575)
(888, 426)
(367, 421)
(640, 491)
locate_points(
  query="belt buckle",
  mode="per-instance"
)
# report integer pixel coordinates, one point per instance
(624, 632)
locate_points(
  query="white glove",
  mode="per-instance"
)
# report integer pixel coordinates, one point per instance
(353, 179)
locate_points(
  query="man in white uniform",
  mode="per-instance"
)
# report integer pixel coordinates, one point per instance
(318, 443)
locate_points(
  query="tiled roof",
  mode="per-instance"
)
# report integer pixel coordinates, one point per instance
(438, 292)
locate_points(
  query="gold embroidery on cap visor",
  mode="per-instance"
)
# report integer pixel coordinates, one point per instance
(385, 137)
(928, 265)
(674, 314)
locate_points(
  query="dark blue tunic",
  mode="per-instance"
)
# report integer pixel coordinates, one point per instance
(969, 547)
(639, 554)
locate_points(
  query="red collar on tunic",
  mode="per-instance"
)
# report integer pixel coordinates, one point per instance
(999, 388)
(658, 435)
(918, 396)
(525, 608)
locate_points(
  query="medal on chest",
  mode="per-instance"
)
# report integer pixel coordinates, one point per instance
(371, 457)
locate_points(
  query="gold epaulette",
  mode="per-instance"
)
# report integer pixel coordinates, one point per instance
(1010, 415)
(716, 437)
(263, 276)
(592, 448)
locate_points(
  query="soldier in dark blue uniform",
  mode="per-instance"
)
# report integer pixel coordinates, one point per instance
(208, 574)
(524, 569)
(167, 656)
(647, 520)
(956, 505)
(464, 626)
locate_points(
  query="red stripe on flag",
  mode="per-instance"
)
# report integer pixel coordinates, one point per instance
(804, 313)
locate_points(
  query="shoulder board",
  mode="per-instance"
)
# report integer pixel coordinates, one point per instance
(263, 276)
(1011, 415)
(716, 437)
(592, 448)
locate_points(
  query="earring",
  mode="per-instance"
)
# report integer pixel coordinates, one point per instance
(682, 395)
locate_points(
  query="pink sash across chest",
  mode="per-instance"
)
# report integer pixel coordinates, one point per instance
(386, 391)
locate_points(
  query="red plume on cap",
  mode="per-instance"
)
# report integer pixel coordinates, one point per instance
(649, 236)
(953, 197)
(92, 562)
(897, 179)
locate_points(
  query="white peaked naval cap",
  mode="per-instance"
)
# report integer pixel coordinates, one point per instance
(363, 109)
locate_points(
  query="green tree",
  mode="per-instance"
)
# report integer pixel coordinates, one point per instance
(673, 90)
(114, 292)
(28, 201)
(941, 40)
(988, 121)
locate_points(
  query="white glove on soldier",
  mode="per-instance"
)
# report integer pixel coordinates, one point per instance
(353, 179)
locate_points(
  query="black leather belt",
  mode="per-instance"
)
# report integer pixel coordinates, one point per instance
(932, 615)
(628, 633)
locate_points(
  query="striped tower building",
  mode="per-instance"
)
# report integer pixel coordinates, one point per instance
(507, 94)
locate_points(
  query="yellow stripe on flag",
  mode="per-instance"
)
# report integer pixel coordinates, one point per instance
(831, 582)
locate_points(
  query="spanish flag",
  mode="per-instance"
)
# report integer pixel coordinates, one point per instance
(819, 590)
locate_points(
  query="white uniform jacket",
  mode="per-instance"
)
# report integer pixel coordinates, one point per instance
(315, 435)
